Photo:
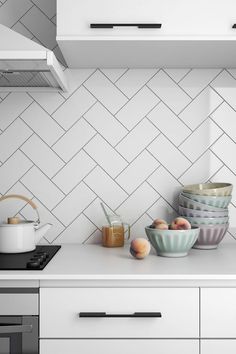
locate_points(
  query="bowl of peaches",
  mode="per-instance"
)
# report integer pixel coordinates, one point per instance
(174, 239)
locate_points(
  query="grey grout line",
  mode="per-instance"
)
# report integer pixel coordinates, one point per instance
(18, 20)
(71, 222)
(177, 84)
(223, 164)
(19, 117)
(208, 147)
(101, 167)
(107, 109)
(200, 92)
(126, 70)
(45, 13)
(72, 93)
(141, 87)
(225, 101)
(228, 72)
(199, 157)
(165, 200)
(35, 165)
(42, 140)
(18, 181)
(18, 148)
(189, 71)
(34, 196)
(202, 122)
(175, 146)
(49, 114)
(98, 133)
(165, 104)
(118, 89)
(77, 121)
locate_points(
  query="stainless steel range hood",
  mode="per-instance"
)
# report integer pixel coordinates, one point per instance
(26, 65)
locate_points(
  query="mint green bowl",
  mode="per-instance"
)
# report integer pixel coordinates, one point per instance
(215, 201)
(207, 221)
(172, 243)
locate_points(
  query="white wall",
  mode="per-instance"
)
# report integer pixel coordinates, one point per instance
(131, 138)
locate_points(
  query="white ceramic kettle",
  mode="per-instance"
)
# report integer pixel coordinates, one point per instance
(18, 236)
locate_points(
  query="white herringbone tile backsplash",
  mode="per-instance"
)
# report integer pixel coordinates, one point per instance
(130, 138)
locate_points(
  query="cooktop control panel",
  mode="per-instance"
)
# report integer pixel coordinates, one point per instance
(35, 260)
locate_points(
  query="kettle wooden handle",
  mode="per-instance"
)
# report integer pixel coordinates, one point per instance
(22, 197)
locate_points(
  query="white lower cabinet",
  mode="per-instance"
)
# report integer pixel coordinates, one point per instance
(218, 346)
(106, 346)
(218, 313)
(128, 313)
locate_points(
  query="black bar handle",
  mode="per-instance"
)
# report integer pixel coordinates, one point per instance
(110, 315)
(139, 25)
(234, 25)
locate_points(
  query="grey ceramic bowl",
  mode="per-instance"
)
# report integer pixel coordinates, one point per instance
(192, 204)
(172, 243)
(210, 236)
(202, 214)
(211, 189)
(207, 221)
(217, 202)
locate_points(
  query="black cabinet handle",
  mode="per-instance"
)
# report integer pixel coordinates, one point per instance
(139, 25)
(234, 25)
(109, 315)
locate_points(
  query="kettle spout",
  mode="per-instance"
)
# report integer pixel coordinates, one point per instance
(41, 231)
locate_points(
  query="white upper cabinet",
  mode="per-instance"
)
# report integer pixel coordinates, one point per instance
(147, 33)
(177, 17)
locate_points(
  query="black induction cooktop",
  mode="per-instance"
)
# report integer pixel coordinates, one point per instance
(35, 260)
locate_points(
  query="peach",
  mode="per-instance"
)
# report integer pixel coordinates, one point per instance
(140, 248)
(160, 224)
(180, 224)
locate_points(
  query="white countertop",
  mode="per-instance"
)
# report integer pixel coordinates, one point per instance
(95, 263)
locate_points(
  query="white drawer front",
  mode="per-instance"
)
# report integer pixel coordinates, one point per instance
(227, 346)
(177, 17)
(218, 313)
(60, 308)
(113, 346)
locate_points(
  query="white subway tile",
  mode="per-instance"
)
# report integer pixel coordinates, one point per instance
(74, 108)
(202, 169)
(169, 156)
(42, 124)
(169, 124)
(137, 172)
(41, 27)
(137, 140)
(106, 188)
(42, 156)
(104, 122)
(200, 108)
(169, 91)
(74, 203)
(50, 101)
(207, 134)
(105, 156)
(13, 105)
(74, 171)
(134, 79)
(12, 170)
(137, 203)
(12, 138)
(106, 92)
(42, 188)
(137, 108)
(197, 80)
(77, 232)
(74, 140)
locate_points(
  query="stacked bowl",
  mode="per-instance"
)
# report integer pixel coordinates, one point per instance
(206, 206)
